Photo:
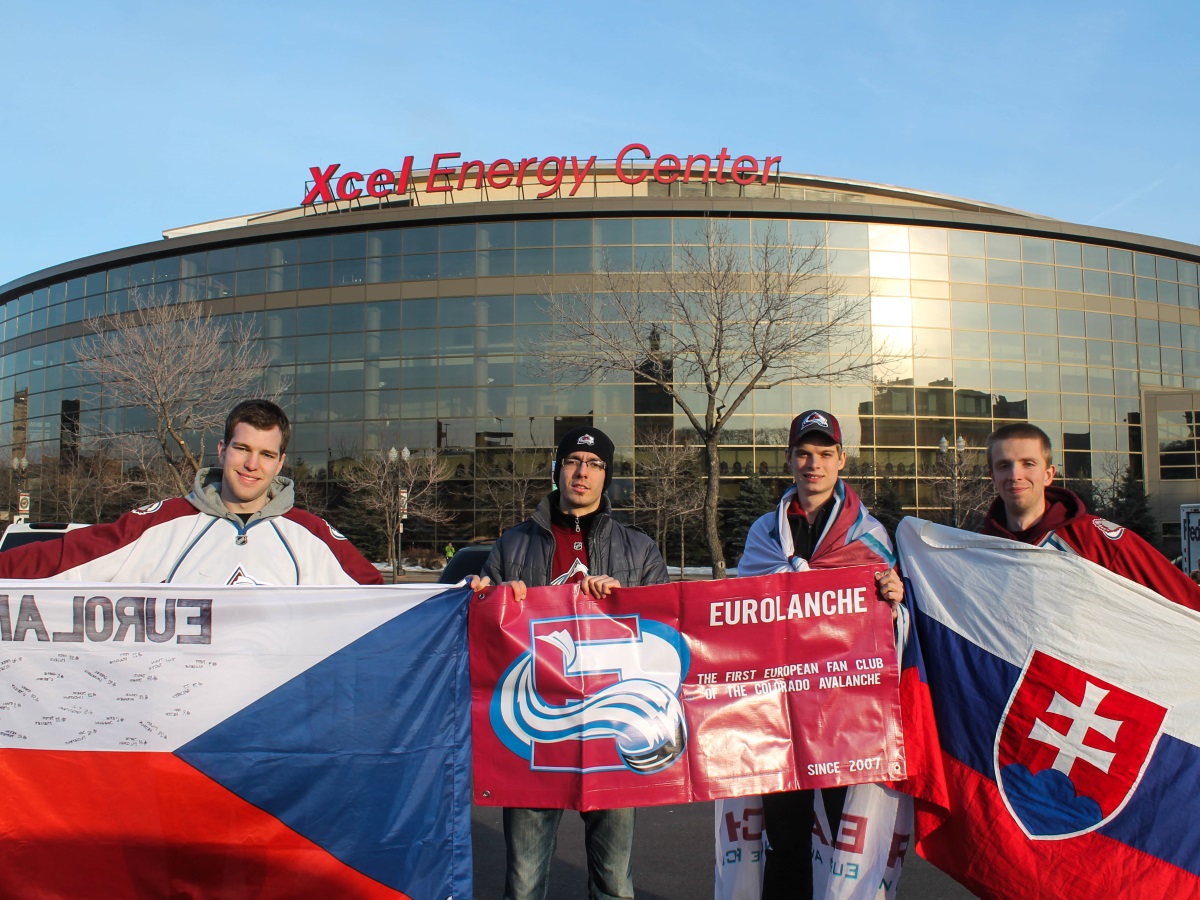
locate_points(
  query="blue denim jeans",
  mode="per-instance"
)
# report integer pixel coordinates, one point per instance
(531, 835)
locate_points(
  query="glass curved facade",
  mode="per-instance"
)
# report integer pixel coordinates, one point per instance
(419, 333)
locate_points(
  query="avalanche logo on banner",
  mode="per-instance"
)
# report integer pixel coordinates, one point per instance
(677, 693)
(611, 682)
(1071, 748)
(221, 742)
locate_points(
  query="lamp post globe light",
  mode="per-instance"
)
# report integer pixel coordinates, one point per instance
(943, 449)
(394, 457)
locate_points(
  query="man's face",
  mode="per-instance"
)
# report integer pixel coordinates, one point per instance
(815, 464)
(249, 462)
(1020, 475)
(580, 485)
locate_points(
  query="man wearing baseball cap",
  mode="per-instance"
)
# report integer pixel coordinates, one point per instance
(572, 537)
(819, 523)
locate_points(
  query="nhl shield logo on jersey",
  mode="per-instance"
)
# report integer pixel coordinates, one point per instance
(1071, 748)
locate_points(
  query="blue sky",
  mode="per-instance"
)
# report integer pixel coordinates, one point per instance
(121, 119)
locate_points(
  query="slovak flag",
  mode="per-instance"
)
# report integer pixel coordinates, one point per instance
(1066, 755)
(198, 741)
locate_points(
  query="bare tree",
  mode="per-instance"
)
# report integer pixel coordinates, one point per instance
(959, 481)
(83, 488)
(724, 321)
(183, 368)
(511, 484)
(396, 486)
(669, 490)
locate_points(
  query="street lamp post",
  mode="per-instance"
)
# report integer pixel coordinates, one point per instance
(394, 456)
(20, 467)
(943, 448)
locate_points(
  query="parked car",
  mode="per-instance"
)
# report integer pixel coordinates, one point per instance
(18, 534)
(466, 561)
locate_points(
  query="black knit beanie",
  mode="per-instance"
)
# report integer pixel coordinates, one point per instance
(591, 440)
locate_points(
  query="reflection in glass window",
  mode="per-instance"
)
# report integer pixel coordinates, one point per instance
(456, 237)
(849, 262)
(349, 271)
(1003, 246)
(1095, 257)
(1068, 253)
(970, 315)
(312, 320)
(1037, 276)
(1098, 325)
(420, 267)
(1146, 289)
(614, 231)
(848, 235)
(889, 265)
(420, 240)
(388, 242)
(966, 243)
(1003, 272)
(495, 262)
(1068, 279)
(1038, 250)
(1007, 317)
(967, 269)
(888, 237)
(314, 275)
(534, 234)
(1072, 350)
(1121, 285)
(930, 268)
(568, 260)
(535, 261)
(927, 240)
(613, 259)
(1071, 322)
(457, 265)
(652, 231)
(495, 235)
(253, 281)
(1099, 353)
(1008, 346)
(1120, 261)
(1041, 348)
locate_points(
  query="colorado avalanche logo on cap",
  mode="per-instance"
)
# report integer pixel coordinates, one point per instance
(814, 418)
(586, 440)
(1071, 748)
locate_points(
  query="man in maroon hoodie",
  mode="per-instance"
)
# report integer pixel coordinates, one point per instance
(1030, 509)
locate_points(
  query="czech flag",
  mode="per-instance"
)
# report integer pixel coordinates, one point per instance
(176, 741)
(1066, 755)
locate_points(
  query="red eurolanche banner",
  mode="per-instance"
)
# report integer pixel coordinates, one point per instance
(683, 692)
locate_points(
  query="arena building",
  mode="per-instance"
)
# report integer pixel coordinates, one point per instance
(399, 307)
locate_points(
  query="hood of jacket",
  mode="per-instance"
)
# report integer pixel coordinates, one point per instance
(206, 497)
(1062, 506)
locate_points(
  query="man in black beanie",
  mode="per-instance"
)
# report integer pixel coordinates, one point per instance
(572, 537)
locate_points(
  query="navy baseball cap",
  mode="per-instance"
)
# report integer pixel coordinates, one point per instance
(814, 421)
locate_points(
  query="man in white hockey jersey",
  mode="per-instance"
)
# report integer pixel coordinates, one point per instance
(237, 526)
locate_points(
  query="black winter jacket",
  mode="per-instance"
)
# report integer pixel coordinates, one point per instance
(525, 552)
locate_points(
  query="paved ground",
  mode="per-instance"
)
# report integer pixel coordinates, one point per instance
(673, 858)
